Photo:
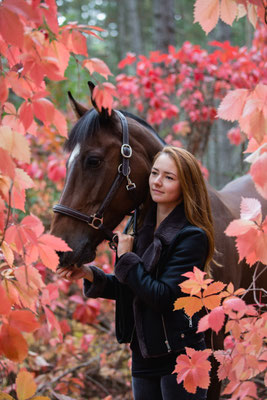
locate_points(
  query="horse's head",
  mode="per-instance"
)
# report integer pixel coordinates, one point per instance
(97, 163)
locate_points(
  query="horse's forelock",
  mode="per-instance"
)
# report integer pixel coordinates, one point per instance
(85, 127)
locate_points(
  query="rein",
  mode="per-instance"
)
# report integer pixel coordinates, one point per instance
(96, 220)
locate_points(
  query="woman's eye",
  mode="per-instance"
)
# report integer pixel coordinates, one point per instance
(153, 173)
(170, 178)
(92, 162)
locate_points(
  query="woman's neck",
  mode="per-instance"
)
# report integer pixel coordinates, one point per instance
(163, 211)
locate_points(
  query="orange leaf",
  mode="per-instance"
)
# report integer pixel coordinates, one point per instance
(15, 143)
(191, 305)
(5, 396)
(13, 344)
(23, 320)
(212, 302)
(97, 65)
(228, 11)
(8, 253)
(25, 385)
(214, 287)
(206, 12)
(232, 105)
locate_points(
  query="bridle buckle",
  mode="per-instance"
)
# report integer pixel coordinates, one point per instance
(96, 221)
(126, 151)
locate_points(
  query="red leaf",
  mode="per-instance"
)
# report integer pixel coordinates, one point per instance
(23, 320)
(54, 242)
(60, 123)
(193, 369)
(258, 171)
(44, 110)
(7, 166)
(128, 60)
(53, 322)
(14, 346)
(3, 89)
(103, 96)
(97, 65)
(11, 27)
(26, 114)
(5, 304)
(79, 45)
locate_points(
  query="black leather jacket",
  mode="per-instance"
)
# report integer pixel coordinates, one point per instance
(145, 284)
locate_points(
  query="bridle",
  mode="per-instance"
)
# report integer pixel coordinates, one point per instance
(96, 220)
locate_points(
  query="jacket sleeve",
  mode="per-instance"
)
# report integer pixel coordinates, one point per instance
(104, 285)
(188, 250)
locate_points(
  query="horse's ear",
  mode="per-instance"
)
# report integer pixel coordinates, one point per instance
(104, 111)
(77, 107)
(91, 87)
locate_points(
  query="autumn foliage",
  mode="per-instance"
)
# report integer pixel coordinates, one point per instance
(36, 332)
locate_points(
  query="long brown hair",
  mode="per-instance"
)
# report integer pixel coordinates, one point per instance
(194, 191)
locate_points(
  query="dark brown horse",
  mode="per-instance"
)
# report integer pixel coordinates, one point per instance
(107, 178)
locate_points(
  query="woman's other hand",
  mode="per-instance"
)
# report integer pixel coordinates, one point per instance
(73, 273)
(125, 243)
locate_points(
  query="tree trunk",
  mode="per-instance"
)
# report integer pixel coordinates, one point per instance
(164, 27)
(222, 158)
(122, 39)
(133, 21)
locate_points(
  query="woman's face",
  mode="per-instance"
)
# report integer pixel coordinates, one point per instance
(164, 184)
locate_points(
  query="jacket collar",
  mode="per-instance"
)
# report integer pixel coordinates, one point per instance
(169, 226)
(149, 243)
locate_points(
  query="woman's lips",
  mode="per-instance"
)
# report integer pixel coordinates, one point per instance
(157, 191)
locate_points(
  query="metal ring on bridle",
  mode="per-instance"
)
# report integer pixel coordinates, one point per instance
(96, 221)
(120, 169)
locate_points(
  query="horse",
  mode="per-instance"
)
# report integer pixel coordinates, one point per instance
(107, 178)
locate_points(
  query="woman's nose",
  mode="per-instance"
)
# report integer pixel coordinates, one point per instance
(158, 180)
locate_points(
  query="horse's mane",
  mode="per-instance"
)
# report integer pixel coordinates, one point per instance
(91, 122)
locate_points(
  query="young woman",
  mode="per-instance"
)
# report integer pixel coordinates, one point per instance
(176, 235)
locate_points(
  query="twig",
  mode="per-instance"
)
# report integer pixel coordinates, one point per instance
(70, 370)
(8, 213)
(95, 382)
(252, 285)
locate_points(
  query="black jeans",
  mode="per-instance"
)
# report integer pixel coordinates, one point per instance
(163, 388)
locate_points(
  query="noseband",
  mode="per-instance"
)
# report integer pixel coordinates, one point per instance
(96, 220)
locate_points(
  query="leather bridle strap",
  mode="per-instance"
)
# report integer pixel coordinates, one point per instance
(96, 220)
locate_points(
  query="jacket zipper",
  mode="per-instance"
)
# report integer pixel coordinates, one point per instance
(165, 333)
(190, 321)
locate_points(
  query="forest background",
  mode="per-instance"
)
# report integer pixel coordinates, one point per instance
(69, 345)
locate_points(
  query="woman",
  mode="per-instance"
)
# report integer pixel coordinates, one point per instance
(176, 235)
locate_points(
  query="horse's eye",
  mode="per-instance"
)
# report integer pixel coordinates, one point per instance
(92, 162)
